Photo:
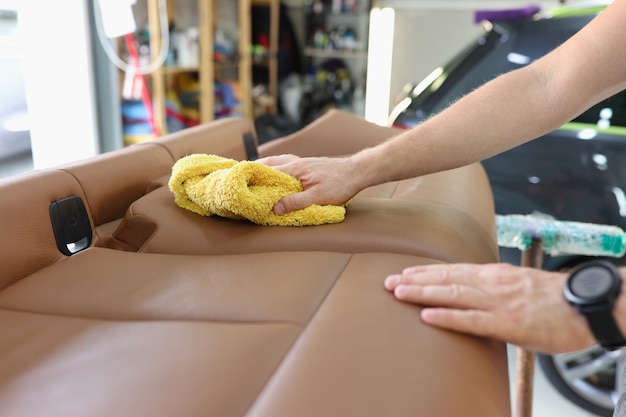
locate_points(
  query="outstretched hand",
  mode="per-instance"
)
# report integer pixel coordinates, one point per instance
(325, 181)
(523, 306)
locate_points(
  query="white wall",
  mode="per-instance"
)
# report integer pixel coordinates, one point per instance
(424, 40)
(463, 4)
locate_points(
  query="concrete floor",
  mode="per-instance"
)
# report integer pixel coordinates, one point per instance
(547, 401)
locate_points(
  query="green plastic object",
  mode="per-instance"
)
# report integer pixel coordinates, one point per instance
(571, 11)
(578, 127)
(560, 237)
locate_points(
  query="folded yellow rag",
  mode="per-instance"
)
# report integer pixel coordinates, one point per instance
(211, 184)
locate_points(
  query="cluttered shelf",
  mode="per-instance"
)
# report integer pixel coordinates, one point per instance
(336, 54)
(206, 71)
(246, 60)
(178, 69)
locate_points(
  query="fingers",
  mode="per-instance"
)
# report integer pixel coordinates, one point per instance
(451, 296)
(277, 160)
(293, 202)
(453, 286)
(475, 322)
(323, 179)
(485, 300)
(436, 274)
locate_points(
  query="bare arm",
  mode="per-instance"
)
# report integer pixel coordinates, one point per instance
(512, 109)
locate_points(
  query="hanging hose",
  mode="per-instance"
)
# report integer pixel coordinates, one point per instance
(145, 93)
(117, 61)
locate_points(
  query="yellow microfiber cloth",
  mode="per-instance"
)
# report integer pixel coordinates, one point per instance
(213, 185)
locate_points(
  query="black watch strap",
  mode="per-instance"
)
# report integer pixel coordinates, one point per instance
(604, 328)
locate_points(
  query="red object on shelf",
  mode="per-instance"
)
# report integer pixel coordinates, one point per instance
(145, 93)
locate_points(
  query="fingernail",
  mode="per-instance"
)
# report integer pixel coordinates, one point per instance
(279, 209)
(400, 291)
(391, 281)
(427, 315)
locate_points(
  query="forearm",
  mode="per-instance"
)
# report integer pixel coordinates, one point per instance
(512, 109)
(504, 113)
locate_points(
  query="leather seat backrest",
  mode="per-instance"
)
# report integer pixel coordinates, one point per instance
(27, 239)
(107, 184)
(114, 180)
(223, 137)
(326, 136)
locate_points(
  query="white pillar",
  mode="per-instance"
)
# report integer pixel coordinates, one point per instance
(380, 48)
(59, 80)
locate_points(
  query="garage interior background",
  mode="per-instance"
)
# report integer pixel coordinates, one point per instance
(74, 110)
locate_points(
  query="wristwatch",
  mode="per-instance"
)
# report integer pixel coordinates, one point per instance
(592, 289)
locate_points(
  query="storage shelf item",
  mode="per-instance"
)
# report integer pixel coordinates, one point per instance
(204, 65)
(269, 58)
(336, 54)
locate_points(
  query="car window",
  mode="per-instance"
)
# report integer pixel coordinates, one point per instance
(523, 43)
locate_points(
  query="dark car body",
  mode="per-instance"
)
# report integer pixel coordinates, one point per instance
(575, 173)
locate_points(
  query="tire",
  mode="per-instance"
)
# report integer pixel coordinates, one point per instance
(587, 378)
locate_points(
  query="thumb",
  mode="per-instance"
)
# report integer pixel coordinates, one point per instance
(292, 202)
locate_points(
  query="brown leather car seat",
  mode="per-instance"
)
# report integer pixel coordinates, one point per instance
(167, 313)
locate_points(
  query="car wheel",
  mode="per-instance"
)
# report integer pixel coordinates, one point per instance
(588, 378)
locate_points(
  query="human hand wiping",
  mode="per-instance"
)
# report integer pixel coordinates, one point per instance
(326, 181)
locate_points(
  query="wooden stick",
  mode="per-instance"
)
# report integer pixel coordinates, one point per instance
(532, 257)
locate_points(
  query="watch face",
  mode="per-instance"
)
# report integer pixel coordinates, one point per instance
(591, 282)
